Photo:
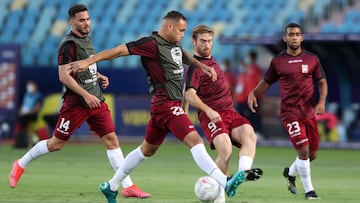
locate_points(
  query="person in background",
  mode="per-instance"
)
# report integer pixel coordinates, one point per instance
(245, 82)
(222, 125)
(296, 70)
(83, 101)
(28, 113)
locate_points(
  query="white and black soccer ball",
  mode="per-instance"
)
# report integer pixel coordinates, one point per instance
(207, 189)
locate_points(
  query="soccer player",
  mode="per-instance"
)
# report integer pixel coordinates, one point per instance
(162, 57)
(83, 101)
(297, 69)
(222, 125)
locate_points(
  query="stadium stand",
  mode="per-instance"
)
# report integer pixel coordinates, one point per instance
(38, 25)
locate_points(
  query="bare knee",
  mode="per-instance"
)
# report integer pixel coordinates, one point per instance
(148, 150)
(111, 141)
(192, 139)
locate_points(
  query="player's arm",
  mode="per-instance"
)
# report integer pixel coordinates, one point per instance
(65, 71)
(184, 103)
(192, 98)
(108, 54)
(323, 91)
(260, 89)
(191, 61)
(65, 78)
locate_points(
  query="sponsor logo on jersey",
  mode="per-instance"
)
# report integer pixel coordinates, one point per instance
(295, 61)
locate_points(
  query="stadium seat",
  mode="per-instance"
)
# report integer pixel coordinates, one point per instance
(38, 18)
(329, 28)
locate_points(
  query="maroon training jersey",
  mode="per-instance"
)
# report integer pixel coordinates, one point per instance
(216, 94)
(162, 61)
(296, 75)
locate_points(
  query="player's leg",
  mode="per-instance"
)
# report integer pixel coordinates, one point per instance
(219, 140)
(297, 132)
(116, 159)
(131, 161)
(313, 137)
(184, 130)
(218, 137)
(101, 122)
(155, 136)
(289, 174)
(303, 168)
(245, 135)
(223, 146)
(62, 133)
(39, 149)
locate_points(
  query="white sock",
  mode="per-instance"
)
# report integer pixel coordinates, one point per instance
(205, 163)
(245, 163)
(222, 192)
(116, 158)
(35, 152)
(303, 168)
(131, 161)
(292, 168)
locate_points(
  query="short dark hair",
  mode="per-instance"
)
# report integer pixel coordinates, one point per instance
(174, 15)
(200, 29)
(292, 25)
(77, 8)
(253, 55)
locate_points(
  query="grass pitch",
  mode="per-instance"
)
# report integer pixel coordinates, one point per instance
(74, 174)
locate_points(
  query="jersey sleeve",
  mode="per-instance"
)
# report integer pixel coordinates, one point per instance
(145, 46)
(271, 75)
(67, 53)
(193, 78)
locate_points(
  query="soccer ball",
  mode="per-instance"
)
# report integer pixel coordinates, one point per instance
(207, 189)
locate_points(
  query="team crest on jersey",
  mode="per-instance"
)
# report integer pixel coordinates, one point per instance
(93, 68)
(304, 68)
(176, 54)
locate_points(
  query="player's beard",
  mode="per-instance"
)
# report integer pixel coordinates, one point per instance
(83, 31)
(205, 53)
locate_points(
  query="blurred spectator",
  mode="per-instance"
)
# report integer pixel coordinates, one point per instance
(247, 81)
(28, 113)
(327, 124)
(229, 76)
(354, 129)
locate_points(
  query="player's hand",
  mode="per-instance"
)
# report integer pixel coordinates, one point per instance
(210, 71)
(67, 67)
(319, 109)
(104, 81)
(214, 116)
(79, 66)
(92, 101)
(252, 102)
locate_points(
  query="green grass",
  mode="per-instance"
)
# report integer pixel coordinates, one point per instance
(73, 175)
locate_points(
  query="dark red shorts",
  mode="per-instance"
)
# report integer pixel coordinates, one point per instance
(71, 118)
(230, 120)
(166, 118)
(302, 132)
